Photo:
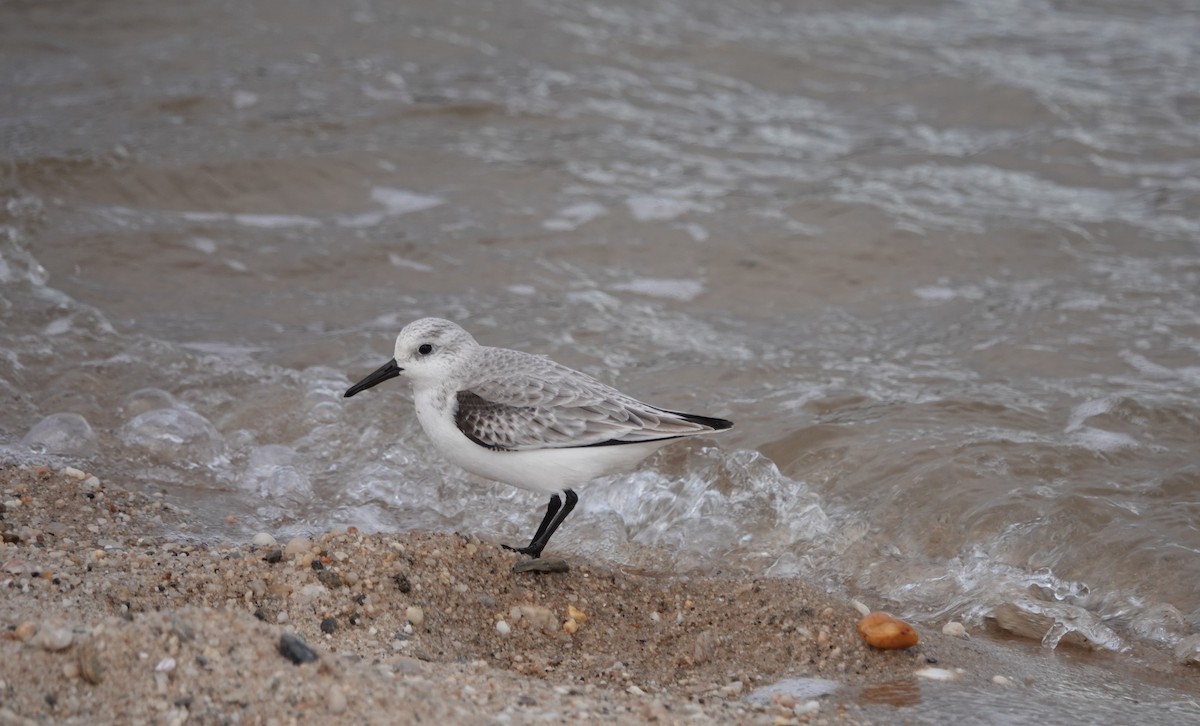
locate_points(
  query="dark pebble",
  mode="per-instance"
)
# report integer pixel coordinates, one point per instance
(183, 701)
(275, 555)
(316, 565)
(295, 649)
(330, 579)
(258, 613)
(552, 564)
(11, 538)
(524, 700)
(402, 583)
(328, 625)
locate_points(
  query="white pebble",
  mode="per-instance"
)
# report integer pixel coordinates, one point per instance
(297, 546)
(1001, 680)
(955, 629)
(415, 615)
(635, 691)
(937, 674)
(263, 539)
(166, 665)
(861, 608)
(502, 627)
(806, 708)
(74, 473)
(53, 638)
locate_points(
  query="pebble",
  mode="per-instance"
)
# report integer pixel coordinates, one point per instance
(90, 667)
(955, 629)
(576, 614)
(540, 618)
(570, 626)
(937, 674)
(885, 631)
(53, 638)
(502, 627)
(336, 700)
(1001, 680)
(328, 625)
(415, 615)
(74, 473)
(166, 665)
(263, 539)
(329, 579)
(297, 546)
(25, 631)
(295, 649)
(862, 609)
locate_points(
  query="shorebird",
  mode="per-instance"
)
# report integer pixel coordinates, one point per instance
(523, 419)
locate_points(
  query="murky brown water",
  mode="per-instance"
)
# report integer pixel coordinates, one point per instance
(938, 260)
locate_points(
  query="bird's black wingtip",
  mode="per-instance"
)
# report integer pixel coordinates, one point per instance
(716, 424)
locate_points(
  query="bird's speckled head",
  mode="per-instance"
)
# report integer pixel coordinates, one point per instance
(432, 349)
(428, 351)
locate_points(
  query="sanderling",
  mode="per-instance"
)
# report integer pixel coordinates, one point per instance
(523, 419)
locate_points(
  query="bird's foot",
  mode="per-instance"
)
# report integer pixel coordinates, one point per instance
(534, 552)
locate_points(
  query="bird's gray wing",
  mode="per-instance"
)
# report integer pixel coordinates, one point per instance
(519, 402)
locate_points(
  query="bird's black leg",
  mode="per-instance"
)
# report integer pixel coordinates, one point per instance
(551, 510)
(539, 542)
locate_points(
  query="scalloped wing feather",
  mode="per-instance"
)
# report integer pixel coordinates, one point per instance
(547, 405)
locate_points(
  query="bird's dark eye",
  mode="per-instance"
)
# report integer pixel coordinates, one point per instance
(425, 349)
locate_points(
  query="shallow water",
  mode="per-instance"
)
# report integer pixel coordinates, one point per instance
(938, 260)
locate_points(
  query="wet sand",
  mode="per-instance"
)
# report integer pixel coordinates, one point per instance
(106, 620)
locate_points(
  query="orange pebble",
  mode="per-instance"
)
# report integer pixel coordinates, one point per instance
(881, 630)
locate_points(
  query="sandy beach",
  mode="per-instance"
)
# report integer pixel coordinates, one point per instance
(106, 620)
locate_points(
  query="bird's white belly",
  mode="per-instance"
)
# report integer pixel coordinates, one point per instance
(542, 470)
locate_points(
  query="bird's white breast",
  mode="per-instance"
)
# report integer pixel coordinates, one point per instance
(541, 470)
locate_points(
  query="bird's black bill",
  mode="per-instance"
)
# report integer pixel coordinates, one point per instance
(385, 371)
